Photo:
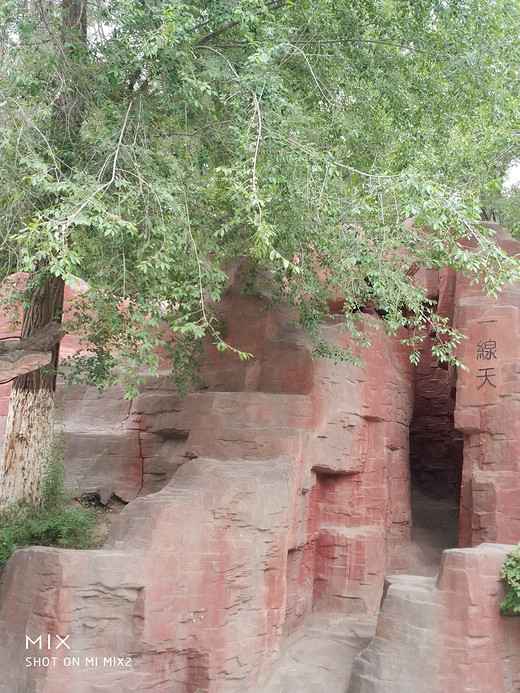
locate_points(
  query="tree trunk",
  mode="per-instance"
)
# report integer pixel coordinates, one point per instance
(28, 438)
(29, 433)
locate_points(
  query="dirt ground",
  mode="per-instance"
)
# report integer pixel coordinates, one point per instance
(435, 527)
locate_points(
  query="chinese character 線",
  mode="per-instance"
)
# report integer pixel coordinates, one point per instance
(487, 350)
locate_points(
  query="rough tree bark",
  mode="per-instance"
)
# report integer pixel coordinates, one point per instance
(28, 436)
(29, 432)
(20, 356)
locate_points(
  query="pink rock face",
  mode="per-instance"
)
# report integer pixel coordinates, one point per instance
(188, 587)
(465, 429)
(287, 490)
(435, 446)
(444, 634)
(283, 487)
(487, 412)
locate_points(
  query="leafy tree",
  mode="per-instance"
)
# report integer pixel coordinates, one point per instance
(145, 149)
(503, 206)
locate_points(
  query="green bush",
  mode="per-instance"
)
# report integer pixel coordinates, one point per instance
(52, 523)
(511, 574)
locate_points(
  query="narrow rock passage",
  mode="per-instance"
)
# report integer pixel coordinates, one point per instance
(435, 528)
(318, 658)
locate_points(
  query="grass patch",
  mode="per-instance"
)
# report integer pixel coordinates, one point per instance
(53, 522)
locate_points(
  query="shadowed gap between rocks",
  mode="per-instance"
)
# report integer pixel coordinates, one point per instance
(436, 456)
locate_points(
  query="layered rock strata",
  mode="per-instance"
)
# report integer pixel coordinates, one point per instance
(287, 490)
(280, 488)
(487, 412)
(444, 634)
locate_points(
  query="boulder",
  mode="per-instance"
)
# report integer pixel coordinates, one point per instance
(444, 634)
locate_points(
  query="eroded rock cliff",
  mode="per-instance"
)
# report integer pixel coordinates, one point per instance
(286, 489)
(280, 488)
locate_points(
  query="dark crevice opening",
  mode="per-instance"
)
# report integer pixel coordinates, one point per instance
(436, 455)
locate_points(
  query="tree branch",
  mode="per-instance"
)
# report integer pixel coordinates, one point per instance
(381, 41)
(271, 6)
(21, 356)
(41, 341)
(348, 40)
(200, 131)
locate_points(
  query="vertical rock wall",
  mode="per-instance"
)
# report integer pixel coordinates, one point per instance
(446, 633)
(467, 443)
(280, 488)
(488, 409)
(435, 445)
(291, 494)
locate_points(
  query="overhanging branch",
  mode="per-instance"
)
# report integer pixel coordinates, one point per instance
(21, 356)
(43, 340)
(271, 6)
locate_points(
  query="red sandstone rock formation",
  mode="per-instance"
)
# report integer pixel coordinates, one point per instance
(445, 633)
(292, 494)
(280, 488)
(487, 412)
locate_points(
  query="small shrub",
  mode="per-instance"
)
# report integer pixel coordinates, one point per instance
(53, 522)
(511, 574)
(54, 494)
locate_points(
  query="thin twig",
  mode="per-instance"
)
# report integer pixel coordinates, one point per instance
(99, 189)
(324, 42)
(200, 131)
(199, 271)
(315, 154)
(379, 41)
(257, 147)
(311, 71)
(218, 32)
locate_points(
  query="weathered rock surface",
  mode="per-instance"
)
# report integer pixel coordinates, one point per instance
(446, 634)
(464, 443)
(487, 412)
(280, 489)
(188, 587)
(287, 490)
(318, 659)
(435, 445)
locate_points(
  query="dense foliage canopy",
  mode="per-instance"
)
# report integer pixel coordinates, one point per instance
(171, 137)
